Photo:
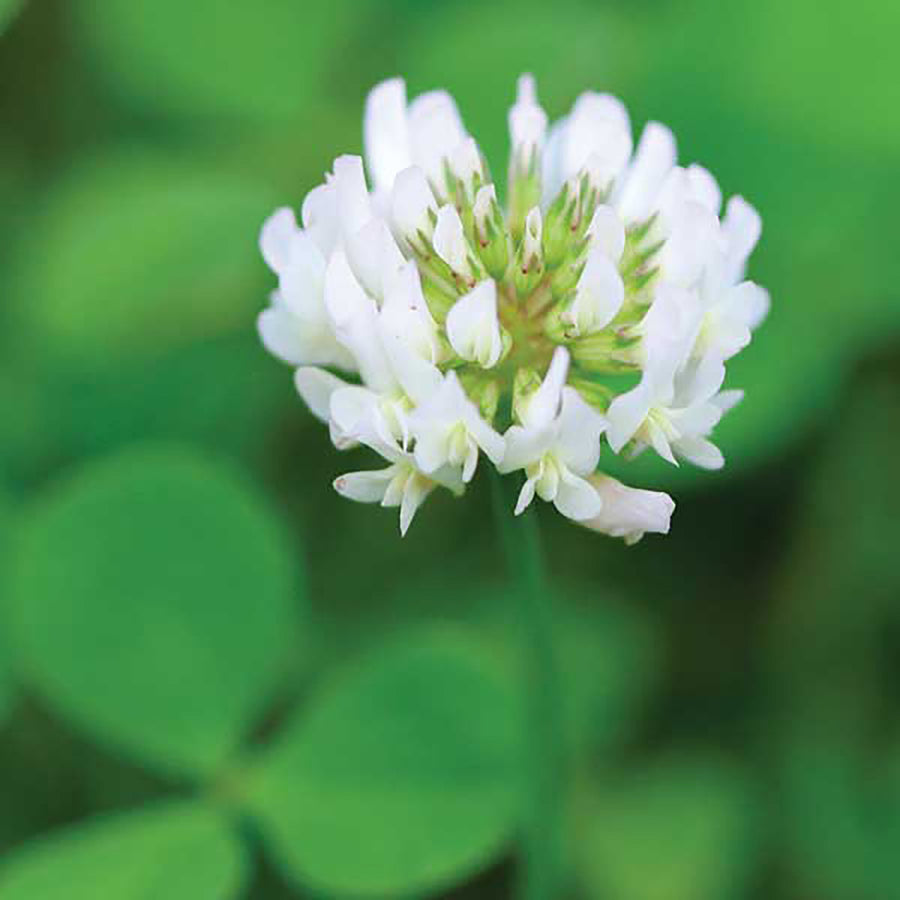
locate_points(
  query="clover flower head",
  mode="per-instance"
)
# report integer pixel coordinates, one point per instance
(590, 312)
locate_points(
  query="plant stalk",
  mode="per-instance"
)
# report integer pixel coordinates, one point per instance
(541, 862)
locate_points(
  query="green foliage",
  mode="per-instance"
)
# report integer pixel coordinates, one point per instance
(166, 253)
(6, 686)
(167, 852)
(8, 11)
(153, 605)
(411, 759)
(683, 829)
(210, 58)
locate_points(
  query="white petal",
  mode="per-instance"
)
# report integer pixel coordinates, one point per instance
(385, 133)
(654, 158)
(465, 161)
(435, 129)
(353, 205)
(527, 120)
(351, 412)
(302, 280)
(576, 497)
(741, 227)
(365, 487)
(580, 427)
(526, 495)
(541, 408)
(694, 240)
(374, 256)
(552, 177)
(629, 512)
(490, 441)
(626, 414)
(281, 334)
(700, 451)
(316, 386)
(749, 303)
(704, 188)
(353, 316)
(412, 203)
(275, 238)
(599, 295)
(300, 341)
(320, 217)
(728, 399)
(473, 327)
(416, 490)
(449, 240)
(659, 440)
(607, 232)
(525, 446)
(598, 130)
(431, 447)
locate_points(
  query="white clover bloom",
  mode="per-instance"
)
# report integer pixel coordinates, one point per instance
(599, 307)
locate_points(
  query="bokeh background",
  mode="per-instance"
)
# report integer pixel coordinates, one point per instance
(219, 680)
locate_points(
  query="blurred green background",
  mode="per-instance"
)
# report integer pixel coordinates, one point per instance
(218, 680)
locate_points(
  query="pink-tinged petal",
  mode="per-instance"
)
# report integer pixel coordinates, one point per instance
(629, 512)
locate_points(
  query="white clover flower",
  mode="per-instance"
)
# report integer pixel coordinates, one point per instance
(597, 308)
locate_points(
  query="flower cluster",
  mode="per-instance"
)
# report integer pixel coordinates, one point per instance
(596, 306)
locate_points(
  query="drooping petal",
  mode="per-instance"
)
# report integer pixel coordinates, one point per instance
(629, 512)
(525, 446)
(385, 132)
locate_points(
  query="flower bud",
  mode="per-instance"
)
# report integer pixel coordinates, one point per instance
(491, 242)
(530, 256)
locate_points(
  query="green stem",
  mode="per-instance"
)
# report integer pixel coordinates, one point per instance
(544, 752)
